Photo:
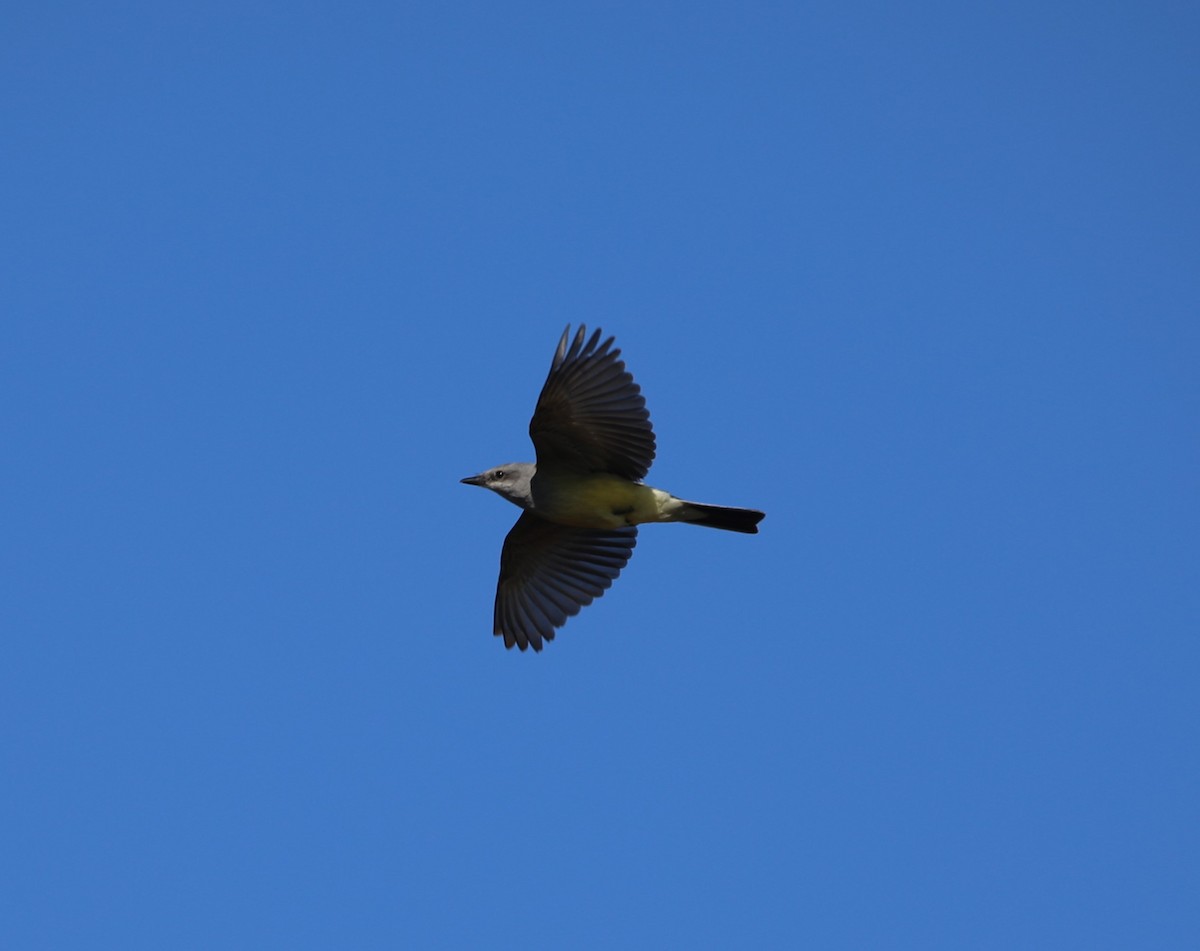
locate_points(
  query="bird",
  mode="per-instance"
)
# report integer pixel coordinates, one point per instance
(584, 498)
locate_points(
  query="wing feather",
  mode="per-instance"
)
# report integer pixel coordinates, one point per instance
(591, 415)
(548, 572)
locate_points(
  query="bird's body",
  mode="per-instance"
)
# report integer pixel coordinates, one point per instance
(595, 500)
(584, 497)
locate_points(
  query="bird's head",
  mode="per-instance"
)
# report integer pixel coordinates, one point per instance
(510, 481)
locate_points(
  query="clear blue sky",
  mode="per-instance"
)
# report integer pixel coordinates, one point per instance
(922, 282)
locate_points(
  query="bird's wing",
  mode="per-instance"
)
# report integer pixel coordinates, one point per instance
(591, 415)
(548, 572)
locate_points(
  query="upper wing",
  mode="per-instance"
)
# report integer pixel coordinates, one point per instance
(548, 572)
(591, 415)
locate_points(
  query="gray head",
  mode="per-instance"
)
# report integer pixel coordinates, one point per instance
(510, 481)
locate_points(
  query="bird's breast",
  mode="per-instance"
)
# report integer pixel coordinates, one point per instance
(592, 500)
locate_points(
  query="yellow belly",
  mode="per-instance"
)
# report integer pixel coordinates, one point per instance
(597, 500)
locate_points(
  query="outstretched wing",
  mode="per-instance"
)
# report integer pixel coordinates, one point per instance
(548, 572)
(591, 416)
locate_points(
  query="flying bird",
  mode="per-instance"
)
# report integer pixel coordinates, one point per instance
(584, 498)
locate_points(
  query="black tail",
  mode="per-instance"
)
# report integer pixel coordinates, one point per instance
(722, 516)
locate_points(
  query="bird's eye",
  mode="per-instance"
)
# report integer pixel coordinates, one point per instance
(498, 474)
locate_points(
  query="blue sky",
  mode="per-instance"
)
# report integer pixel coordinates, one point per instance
(921, 282)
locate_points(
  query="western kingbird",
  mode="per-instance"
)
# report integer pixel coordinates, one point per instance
(584, 498)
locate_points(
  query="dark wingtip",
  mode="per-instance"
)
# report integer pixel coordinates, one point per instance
(577, 343)
(561, 353)
(581, 346)
(595, 339)
(564, 353)
(521, 642)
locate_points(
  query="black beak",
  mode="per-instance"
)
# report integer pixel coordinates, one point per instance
(472, 480)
